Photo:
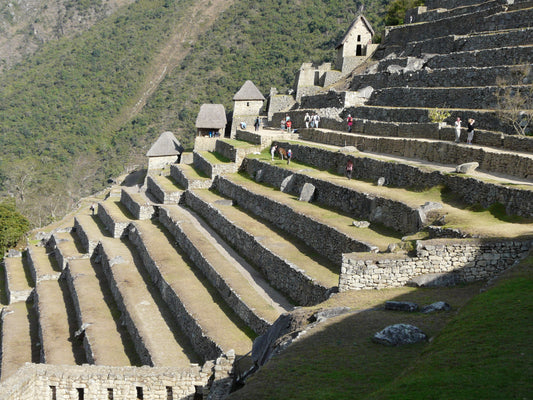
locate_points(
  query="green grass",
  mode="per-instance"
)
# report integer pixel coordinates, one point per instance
(214, 157)
(481, 349)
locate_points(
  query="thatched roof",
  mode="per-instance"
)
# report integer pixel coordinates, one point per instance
(248, 91)
(166, 145)
(211, 116)
(365, 22)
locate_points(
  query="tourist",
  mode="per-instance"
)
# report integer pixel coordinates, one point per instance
(257, 124)
(92, 208)
(273, 151)
(307, 119)
(470, 130)
(316, 119)
(289, 156)
(288, 124)
(282, 124)
(349, 169)
(457, 130)
(350, 122)
(313, 120)
(243, 125)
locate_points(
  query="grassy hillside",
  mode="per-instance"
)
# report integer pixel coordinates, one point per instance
(479, 350)
(62, 127)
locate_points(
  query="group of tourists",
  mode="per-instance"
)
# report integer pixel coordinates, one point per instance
(469, 130)
(311, 120)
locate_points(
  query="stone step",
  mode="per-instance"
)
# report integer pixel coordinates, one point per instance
(18, 287)
(43, 264)
(137, 204)
(463, 97)
(114, 216)
(89, 231)
(449, 44)
(164, 189)
(200, 311)
(494, 19)
(287, 214)
(65, 247)
(16, 338)
(213, 163)
(156, 337)
(305, 279)
(104, 339)
(57, 325)
(187, 177)
(238, 283)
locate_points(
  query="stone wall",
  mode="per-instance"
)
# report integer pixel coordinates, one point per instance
(202, 344)
(281, 274)
(162, 195)
(237, 304)
(443, 152)
(161, 162)
(204, 143)
(279, 103)
(182, 180)
(473, 191)
(43, 382)
(308, 230)
(115, 228)
(391, 213)
(87, 244)
(137, 205)
(467, 260)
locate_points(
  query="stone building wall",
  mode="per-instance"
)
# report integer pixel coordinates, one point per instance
(161, 162)
(281, 274)
(90, 382)
(467, 260)
(308, 230)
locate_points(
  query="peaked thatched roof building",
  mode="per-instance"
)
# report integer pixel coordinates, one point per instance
(211, 119)
(247, 106)
(166, 150)
(248, 92)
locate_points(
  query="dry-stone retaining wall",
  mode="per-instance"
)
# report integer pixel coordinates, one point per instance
(391, 213)
(443, 152)
(163, 196)
(473, 191)
(137, 205)
(182, 180)
(86, 243)
(90, 382)
(308, 230)
(203, 345)
(237, 304)
(280, 273)
(202, 164)
(468, 259)
(115, 228)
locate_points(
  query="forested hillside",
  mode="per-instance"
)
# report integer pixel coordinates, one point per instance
(68, 120)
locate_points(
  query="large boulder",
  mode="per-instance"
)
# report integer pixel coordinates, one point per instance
(399, 334)
(467, 168)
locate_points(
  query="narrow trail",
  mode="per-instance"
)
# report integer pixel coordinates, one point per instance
(202, 15)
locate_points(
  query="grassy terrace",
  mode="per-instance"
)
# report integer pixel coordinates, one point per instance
(192, 173)
(469, 219)
(478, 350)
(167, 183)
(214, 157)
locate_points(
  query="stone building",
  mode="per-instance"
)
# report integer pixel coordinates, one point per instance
(211, 120)
(247, 105)
(166, 150)
(353, 49)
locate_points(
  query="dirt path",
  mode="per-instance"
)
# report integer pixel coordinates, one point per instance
(201, 17)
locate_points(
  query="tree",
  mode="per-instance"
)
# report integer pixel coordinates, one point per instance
(397, 8)
(515, 100)
(13, 225)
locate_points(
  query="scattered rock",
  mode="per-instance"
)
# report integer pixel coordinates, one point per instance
(467, 168)
(286, 184)
(361, 224)
(393, 248)
(425, 209)
(307, 193)
(438, 306)
(406, 306)
(434, 280)
(381, 181)
(14, 253)
(323, 315)
(348, 149)
(399, 334)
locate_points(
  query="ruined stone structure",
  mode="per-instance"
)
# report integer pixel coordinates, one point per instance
(247, 106)
(165, 151)
(156, 295)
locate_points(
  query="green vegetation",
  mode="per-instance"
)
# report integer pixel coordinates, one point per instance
(60, 119)
(13, 225)
(479, 350)
(438, 115)
(397, 8)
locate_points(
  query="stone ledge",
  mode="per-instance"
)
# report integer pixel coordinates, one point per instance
(280, 273)
(162, 194)
(115, 225)
(137, 205)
